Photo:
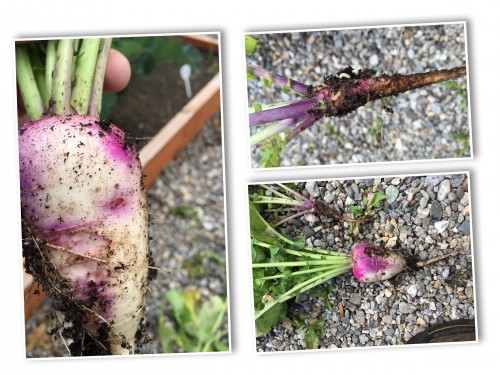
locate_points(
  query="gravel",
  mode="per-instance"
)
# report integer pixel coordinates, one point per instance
(429, 123)
(392, 311)
(188, 227)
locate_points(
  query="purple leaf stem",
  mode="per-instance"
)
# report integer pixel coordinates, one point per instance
(293, 85)
(294, 110)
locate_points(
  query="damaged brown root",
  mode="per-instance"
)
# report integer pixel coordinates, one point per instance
(350, 90)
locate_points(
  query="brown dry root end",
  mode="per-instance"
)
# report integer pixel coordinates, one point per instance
(350, 90)
(393, 85)
(323, 209)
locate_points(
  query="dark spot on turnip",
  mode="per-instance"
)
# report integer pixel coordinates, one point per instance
(117, 202)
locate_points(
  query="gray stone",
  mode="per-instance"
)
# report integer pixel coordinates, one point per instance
(355, 298)
(387, 319)
(431, 181)
(312, 189)
(444, 190)
(441, 226)
(406, 308)
(420, 232)
(423, 212)
(360, 317)
(412, 290)
(329, 197)
(308, 232)
(456, 180)
(465, 227)
(392, 193)
(436, 211)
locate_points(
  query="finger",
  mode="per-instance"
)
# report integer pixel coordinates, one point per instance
(117, 72)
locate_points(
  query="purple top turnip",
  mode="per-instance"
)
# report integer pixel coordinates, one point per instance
(372, 263)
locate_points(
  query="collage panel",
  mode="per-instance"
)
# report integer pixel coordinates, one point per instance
(358, 95)
(124, 238)
(364, 262)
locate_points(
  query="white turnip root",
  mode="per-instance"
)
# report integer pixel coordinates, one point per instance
(82, 198)
(85, 215)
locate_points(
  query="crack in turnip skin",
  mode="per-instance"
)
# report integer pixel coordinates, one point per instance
(372, 263)
(82, 196)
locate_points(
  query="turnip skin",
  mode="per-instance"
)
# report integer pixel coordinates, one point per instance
(83, 200)
(372, 263)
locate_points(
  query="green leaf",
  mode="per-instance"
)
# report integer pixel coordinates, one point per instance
(288, 87)
(273, 148)
(314, 333)
(167, 335)
(176, 301)
(301, 242)
(250, 76)
(270, 318)
(220, 347)
(376, 201)
(251, 45)
(268, 81)
(270, 158)
(357, 211)
(257, 107)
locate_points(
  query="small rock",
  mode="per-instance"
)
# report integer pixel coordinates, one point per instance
(444, 190)
(392, 193)
(311, 218)
(441, 226)
(464, 201)
(406, 308)
(360, 317)
(312, 188)
(420, 232)
(456, 180)
(329, 197)
(465, 227)
(436, 211)
(396, 181)
(388, 293)
(349, 201)
(412, 290)
(431, 181)
(391, 242)
(355, 298)
(387, 319)
(423, 212)
(389, 332)
(308, 232)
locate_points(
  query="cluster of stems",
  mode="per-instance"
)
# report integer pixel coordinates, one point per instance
(61, 77)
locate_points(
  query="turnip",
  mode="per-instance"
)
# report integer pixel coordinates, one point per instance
(372, 263)
(284, 268)
(331, 94)
(83, 202)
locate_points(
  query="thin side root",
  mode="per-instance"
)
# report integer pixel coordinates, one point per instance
(434, 260)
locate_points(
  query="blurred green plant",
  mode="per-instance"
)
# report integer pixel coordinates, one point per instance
(463, 139)
(198, 326)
